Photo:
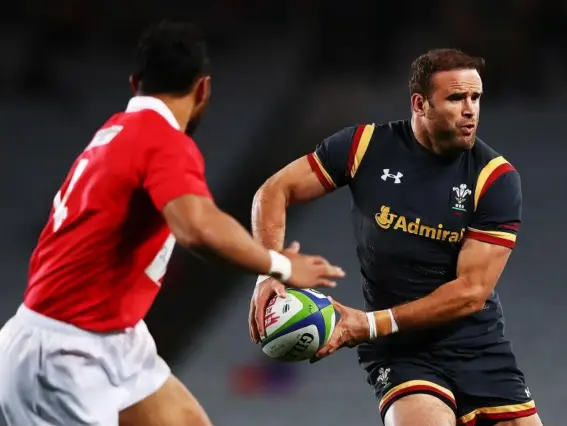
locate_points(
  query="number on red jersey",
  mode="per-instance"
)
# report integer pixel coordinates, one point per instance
(60, 210)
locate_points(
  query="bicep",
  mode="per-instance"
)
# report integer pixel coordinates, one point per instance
(498, 208)
(480, 264)
(298, 181)
(185, 215)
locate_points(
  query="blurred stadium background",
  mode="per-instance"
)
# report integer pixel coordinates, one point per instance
(285, 75)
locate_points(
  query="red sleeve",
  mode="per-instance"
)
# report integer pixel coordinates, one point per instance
(173, 166)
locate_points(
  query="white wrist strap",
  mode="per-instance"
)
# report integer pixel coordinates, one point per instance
(262, 278)
(395, 327)
(372, 325)
(280, 267)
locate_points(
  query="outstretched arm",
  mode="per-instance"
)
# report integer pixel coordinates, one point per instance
(479, 267)
(172, 173)
(329, 167)
(195, 221)
(295, 183)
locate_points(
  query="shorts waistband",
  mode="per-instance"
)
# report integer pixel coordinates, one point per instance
(26, 316)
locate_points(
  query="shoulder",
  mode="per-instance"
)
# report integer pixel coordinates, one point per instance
(363, 134)
(495, 173)
(371, 141)
(486, 159)
(154, 124)
(151, 138)
(384, 131)
(380, 135)
(140, 130)
(152, 130)
(388, 134)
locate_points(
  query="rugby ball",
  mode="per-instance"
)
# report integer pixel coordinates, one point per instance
(297, 325)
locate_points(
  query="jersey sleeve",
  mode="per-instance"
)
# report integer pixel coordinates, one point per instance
(336, 160)
(498, 205)
(173, 166)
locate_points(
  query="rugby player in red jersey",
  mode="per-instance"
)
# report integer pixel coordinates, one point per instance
(77, 352)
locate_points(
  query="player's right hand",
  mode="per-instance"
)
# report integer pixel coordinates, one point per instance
(307, 272)
(263, 293)
(310, 271)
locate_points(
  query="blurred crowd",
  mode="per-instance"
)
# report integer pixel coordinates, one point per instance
(521, 39)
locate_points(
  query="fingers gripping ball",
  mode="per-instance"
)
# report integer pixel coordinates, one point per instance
(297, 325)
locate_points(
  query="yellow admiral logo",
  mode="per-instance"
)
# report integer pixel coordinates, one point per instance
(386, 220)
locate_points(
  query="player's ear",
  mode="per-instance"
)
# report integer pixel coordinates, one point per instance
(203, 90)
(418, 104)
(134, 83)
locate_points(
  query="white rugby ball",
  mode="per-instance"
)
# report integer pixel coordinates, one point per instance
(298, 325)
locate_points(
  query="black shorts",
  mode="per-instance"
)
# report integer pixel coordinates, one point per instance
(482, 385)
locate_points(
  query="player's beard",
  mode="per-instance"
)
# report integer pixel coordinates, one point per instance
(451, 142)
(446, 134)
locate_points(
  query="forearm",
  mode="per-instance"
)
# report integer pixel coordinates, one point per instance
(269, 217)
(224, 236)
(296, 183)
(451, 301)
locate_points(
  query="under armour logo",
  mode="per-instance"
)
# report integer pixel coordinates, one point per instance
(397, 177)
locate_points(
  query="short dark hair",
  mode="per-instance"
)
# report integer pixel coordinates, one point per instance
(171, 56)
(434, 61)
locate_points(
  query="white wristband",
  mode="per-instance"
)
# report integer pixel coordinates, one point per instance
(395, 327)
(280, 267)
(372, 325)
(262, 278)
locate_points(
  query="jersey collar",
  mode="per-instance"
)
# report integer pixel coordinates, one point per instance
(139, 103)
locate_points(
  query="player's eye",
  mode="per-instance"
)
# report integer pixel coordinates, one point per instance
(455, 97)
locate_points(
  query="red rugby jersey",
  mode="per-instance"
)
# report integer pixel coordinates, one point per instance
(103, 253)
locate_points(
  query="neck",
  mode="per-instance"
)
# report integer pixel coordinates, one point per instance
(181, 107)
(443, 148)
(421, 135)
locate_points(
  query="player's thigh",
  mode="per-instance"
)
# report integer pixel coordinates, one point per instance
(491, 388)
(170, 405)
(419, 409)
(43, 384)
(533, 420)
(18, 375)
(396, 378)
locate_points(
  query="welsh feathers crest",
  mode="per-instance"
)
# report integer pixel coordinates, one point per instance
(461, 193)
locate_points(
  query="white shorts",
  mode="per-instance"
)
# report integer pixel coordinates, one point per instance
(55, 374)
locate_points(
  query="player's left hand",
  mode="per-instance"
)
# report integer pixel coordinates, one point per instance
(351, 330)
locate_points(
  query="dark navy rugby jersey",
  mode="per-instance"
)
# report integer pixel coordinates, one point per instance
(412, 209)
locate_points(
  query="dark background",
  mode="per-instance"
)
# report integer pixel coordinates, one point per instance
(286, 74)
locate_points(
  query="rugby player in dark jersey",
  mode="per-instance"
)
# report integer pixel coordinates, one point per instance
(436, 212)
